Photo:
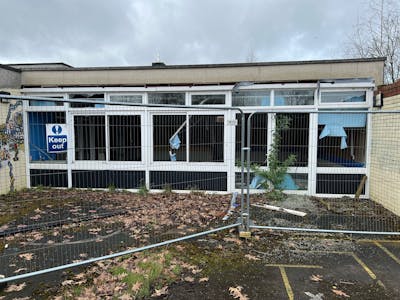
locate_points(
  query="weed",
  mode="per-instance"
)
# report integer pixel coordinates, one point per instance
(167, 188)
(177, 269)
(277, 169)
(143, 190)
(111, 187)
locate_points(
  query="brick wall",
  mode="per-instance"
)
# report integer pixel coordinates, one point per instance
(385, 151)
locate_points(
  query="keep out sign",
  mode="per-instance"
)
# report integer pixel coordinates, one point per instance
(57, 138)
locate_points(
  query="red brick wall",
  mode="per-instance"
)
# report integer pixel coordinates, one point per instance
(390, 90)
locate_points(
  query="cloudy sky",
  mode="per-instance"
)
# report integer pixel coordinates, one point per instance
(130, 32)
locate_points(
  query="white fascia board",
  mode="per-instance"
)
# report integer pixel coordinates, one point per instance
(348, 85)
(124, 89)
(197, 88)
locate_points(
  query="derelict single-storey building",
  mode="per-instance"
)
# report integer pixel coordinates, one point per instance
(130, 146)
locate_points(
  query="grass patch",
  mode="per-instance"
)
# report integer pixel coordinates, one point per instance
(151, 271)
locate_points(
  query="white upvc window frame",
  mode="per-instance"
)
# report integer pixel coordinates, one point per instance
(48, 108)
(226, 104)
(254, 107)
(310, 106)
(346, 105)
(108, 96)
(188, 165)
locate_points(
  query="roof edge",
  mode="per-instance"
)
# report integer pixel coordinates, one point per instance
(198, 66)
(7, 67)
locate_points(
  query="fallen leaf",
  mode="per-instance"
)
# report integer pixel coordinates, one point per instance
(35, 217)
(318, 296)
(316, 278)
(125, 297)
(26, 256)
(236, 292)
(188, 279)
(232, 239)
(251, 257)
(196, 270)
(160, 292)
(20, 270)
(204, 279)
(15, 287)
(340, 293)
(67, 282)
(80, 276)
(136, 287)
(179, 247)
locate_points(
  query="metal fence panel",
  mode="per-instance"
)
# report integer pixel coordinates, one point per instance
(125, 180)
(351, 173)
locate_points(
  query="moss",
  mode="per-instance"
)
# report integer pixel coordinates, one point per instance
(214, 262)
(17, 204)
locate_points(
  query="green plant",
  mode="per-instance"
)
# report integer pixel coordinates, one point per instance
(167, 188)
(111, 187)
(274, 175)
(143, 190)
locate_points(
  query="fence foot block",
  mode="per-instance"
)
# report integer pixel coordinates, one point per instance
(245, 234)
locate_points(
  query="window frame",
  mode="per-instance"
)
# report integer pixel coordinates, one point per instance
(367, 103)
(183, 165)
(205, 93)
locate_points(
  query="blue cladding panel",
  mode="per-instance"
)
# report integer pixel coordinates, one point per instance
(37, 134)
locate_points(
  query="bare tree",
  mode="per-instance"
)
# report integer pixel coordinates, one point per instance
(377, 34)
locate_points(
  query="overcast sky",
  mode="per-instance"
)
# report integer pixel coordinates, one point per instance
(128, 32)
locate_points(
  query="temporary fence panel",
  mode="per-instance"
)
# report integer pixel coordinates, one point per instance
(108, 180)
(347, 161)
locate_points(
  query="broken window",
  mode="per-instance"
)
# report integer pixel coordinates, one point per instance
(37, 136)
(206, 136)
(294, 138)
(90, 141)
(167, 98)
(46, 103)
(341, 139)
(169, 137)
(259, 137)
(83, 97)
(208, 99)
(126, 98)
(251, 98)
(343, 97)
(125, 138)
(294, 97)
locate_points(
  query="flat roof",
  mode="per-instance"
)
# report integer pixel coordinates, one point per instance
(60, 66)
